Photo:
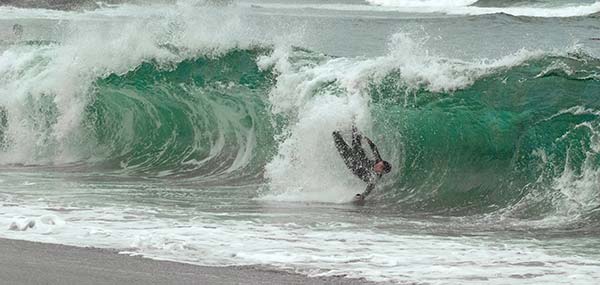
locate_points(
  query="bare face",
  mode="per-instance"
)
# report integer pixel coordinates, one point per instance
(378, 167)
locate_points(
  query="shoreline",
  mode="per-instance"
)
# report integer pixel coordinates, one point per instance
(26, 262)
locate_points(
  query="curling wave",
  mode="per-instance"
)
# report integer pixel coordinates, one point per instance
(518, 134)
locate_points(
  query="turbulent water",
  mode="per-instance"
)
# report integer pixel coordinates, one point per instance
(201, 132)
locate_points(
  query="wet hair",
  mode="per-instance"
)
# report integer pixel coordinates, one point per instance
(387, 167)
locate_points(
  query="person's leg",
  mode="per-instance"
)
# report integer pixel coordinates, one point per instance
(356, 137)
(357, 149)
(343, 148)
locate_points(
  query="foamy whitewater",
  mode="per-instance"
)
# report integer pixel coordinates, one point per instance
(543, 9)
(200, 132)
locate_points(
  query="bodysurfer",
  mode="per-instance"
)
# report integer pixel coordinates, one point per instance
(367, 169)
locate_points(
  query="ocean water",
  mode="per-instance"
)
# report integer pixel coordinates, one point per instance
(200, 132)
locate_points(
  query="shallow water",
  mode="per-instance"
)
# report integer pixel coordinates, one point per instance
(227, 226)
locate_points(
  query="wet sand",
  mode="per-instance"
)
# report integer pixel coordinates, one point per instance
(24, 262)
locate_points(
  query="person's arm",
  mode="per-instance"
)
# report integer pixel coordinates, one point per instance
(374, 149)
(368, 190)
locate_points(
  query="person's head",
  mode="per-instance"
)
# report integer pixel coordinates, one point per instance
(382, 167)
(18, 30)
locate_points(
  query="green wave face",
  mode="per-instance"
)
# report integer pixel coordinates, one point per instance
(521, 139)
(528, 134)
(204, 118)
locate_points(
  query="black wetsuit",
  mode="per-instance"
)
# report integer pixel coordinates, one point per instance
(356, 159)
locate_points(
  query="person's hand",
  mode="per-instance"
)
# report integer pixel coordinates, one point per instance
(359, 197)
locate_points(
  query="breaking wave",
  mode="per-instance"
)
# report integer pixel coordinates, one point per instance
(519, 134)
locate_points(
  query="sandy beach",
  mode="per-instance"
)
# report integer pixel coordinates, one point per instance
(26, 262)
